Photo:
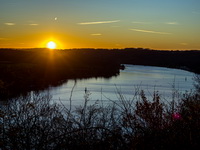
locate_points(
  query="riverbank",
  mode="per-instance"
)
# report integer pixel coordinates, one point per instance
(23, 70)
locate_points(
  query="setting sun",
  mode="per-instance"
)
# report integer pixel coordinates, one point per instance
(51, 45)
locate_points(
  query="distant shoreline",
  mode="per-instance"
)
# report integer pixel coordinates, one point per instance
(127, 48)
(35, 69)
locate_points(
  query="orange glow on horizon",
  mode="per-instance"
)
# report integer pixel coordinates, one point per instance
(51, 43)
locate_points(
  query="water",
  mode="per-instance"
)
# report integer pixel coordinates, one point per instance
(147, 78)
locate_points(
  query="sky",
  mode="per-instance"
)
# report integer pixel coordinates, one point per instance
(154, 24)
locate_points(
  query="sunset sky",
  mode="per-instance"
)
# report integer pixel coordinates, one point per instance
(156, 24)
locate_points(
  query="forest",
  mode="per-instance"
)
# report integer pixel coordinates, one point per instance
(23, 70)
(34, 121)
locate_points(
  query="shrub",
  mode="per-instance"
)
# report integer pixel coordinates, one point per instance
(35, 122)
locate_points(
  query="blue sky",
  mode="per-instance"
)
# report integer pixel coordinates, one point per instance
(171, 24)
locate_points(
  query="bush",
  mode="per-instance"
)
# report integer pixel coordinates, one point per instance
(35, 122)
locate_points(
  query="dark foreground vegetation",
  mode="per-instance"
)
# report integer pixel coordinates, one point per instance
(23, 70)
(35, 122)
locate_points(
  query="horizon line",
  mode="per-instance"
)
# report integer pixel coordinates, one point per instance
(141, 48)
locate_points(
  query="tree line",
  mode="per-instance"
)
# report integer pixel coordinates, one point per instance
(23, 70)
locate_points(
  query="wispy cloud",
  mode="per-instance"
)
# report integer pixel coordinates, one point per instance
(172, 23)
(9, 23)
(115, 26)
(33, 24)
(98, 22)
(184, 44)
(3, 39)
(96, 34)
(149, 31)
(196, 12)
(141, 22)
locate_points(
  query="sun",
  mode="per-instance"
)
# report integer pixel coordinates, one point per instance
(51, 45)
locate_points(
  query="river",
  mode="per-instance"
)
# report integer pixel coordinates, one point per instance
(134, 77)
